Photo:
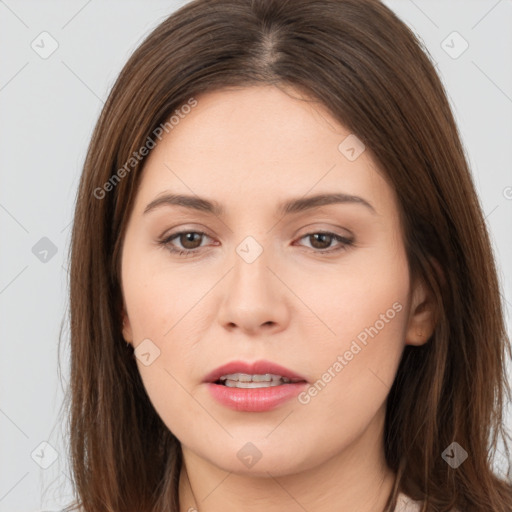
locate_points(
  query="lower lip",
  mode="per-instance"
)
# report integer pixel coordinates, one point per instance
(255, 399)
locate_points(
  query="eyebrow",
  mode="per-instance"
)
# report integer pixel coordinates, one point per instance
(288, 207)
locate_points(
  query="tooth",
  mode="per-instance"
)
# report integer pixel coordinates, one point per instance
(243, 377)
(262, 378)
(237, 384)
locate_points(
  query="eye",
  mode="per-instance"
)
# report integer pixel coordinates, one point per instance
(190, 242)
(187, 239)
(324, 239)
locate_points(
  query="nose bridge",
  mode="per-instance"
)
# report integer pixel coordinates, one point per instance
(253, 252)
(251, 277)
(254, 297)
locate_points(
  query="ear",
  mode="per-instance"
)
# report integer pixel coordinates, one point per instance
(421, 322)
(127, 328)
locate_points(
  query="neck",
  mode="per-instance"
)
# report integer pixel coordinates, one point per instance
(357, 478)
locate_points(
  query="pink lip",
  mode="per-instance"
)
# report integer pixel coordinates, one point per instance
(254, 399)
(258, 367)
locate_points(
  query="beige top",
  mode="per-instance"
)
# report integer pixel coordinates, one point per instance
(406, 504)
(403, 504)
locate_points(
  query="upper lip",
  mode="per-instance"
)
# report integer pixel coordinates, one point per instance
(255, 368)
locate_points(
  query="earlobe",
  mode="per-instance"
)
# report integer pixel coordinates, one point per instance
(419, 338)
(422, 315)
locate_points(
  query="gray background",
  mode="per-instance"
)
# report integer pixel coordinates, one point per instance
(48, 109)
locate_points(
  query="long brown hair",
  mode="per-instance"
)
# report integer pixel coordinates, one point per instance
(368, 68)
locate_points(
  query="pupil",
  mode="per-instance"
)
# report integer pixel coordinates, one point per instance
(189, 238)
(322, 236)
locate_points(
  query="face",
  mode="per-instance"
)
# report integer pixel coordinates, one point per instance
(321, 289)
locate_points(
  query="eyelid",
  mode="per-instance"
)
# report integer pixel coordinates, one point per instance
(323, 227)
(310, 229)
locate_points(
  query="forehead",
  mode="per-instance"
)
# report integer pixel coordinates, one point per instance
(254, 145)
(261, 121)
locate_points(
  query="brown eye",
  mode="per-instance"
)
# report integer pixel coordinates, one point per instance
(322, 241)
(189, 239)
(184, 243)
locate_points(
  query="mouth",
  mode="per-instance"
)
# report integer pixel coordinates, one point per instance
(260, 386)
(258, 374)
(248, 381)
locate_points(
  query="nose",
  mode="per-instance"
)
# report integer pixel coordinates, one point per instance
(254, 299)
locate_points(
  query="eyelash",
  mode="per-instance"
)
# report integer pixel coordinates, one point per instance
(166, 242)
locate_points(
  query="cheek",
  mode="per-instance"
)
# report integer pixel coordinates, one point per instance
(356, 372)
(156, 296)
(164, 314)
(364, 298)
(363, 307)
(158, 308)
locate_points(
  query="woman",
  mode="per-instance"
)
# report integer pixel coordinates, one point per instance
(282, 289)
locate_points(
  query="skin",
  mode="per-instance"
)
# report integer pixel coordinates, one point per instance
(250, 149)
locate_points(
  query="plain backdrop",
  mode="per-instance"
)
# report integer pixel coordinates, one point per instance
(59, 60)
